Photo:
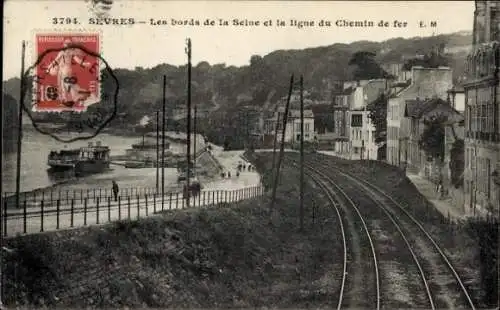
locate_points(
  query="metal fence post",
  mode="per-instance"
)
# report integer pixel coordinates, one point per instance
(85, 201)
(128, 200)
(199, 199)
(213, 198)
(225, 196)
(72, 212)
(97, 209)
(41, 215)
(146, 197)
(109, 209)
(177, 200)
(119, 208)
(58, 207)
(154, 202)
(170, 201)
(138, 207)
(4, 232)
(25, 216)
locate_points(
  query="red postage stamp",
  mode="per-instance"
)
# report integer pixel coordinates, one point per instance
(67, 73)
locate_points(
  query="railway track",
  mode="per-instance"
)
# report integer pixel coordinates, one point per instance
(443, 286)
(359, 270)
(322, 184)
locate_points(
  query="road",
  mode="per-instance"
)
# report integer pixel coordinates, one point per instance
(104, 210)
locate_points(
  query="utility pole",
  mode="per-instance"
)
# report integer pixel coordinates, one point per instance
(157, 152)
(195, 138)
(301, 153)
(20, 128)
(275, 139)
(3, 229)
(282, 146)
(188, 125)
(163, 144)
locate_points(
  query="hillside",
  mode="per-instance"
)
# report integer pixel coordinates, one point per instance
(266, 78)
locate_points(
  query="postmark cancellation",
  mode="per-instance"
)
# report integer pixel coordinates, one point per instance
(67, 72)
(71, 83)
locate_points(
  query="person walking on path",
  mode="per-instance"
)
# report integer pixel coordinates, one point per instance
(439, 188)
(116, 189)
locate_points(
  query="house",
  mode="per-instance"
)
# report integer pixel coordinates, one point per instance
(361, 135)
(324, 125)
(482, 112)
(425, 83)
(360, 130)
(418, 111)
(398, 71)
(342, 102)
(292, 131)
(330, 121)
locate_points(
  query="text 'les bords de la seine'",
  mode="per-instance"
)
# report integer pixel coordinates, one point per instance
(237, 22)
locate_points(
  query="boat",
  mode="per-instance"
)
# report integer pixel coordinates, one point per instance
(83, 160)
(144, 150)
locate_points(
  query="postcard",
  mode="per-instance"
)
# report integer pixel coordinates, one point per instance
(250, 154)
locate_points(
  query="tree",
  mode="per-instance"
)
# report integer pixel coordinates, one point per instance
(433, 137)
(430, 60)
(367, 67)
(378, 117)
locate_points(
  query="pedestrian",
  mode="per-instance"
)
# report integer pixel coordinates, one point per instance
(440, 188)
(116, 189)
(229, 174)
(237, 173)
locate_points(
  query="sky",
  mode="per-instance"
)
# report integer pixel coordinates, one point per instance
(146, 45)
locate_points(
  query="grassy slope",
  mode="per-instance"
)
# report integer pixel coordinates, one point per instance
(215, 257)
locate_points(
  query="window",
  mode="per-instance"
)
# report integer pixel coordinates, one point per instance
(297, 127)
(307, 127)
(357, 120)
(356, 150)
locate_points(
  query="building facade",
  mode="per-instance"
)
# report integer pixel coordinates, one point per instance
(342, 101)
(292, 131)
(425, 83)
(361, 136)
(419, 111)
(482, 113)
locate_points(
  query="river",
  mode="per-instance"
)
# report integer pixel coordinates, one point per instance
(36, 148)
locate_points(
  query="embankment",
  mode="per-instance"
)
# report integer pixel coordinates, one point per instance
(228, 256)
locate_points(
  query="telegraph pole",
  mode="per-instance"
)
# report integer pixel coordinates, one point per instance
(282, 146)
(163, 144)
(301, 153)
(195, 138)
(157, 152)
(20, 128)
(3, 230)
(188, 125)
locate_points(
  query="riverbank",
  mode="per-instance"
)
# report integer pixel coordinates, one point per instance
(36, 148)
(227, 256)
